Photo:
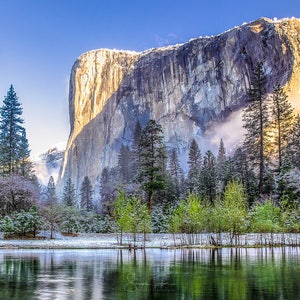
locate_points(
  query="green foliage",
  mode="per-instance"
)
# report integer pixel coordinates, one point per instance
(69, 194)
(52, 217)
(282, 113)
(124, 164)
(131, 215)
(290, 215)
(221, 167)
(256, 119)
(27, 222)
(152, 160)
(217, 221)
(235, 208)
(189, 216)
(70, 222)
(175, 181)
(102, 224)
(86, 194)
(160, 219)
(243, 171)
(141, 216)
(51, 197)
(293, 146)
(266, 217)
(208, 177)
(122, 212)
(7, 225)
(108, 188)
(194, 163)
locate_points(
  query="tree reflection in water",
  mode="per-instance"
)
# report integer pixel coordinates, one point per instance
(235, 273)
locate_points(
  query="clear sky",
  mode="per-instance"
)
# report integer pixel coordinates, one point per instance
(40, 40)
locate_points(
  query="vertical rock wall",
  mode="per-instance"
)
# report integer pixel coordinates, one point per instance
(190, 89)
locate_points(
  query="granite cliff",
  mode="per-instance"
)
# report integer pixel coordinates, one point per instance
(192, 90)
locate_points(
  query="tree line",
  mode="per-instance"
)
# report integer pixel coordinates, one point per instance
(149, 176)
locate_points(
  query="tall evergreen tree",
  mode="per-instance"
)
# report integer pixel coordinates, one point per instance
(255, 118)
(243, 171)
(194, 163)
(86, 194)
(152, 160)
(221, 165)
(69, 194)
(208, 176)
(282, 113)
(176, 174)
(124, 166)
(135, 152)
(174, 165)
(25, 166)
(14, 149)
(51, 192)
(108, 188)
(294, 143)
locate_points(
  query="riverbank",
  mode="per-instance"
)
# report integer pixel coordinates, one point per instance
(111, 241)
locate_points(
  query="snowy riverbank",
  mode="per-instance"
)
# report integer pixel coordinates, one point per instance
(110, 241)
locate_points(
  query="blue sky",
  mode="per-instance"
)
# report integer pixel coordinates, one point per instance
(40, 40)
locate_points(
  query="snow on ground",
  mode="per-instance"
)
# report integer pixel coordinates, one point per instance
(111, 241)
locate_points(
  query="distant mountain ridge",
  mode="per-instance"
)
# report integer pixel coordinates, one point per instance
(191, 89)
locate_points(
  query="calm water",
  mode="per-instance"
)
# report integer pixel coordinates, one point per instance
(150, 274)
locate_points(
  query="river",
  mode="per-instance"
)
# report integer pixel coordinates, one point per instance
(228, 273)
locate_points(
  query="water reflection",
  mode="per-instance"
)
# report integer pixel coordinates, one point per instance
(152, 274)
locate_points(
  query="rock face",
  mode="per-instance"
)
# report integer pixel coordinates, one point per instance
(48, 164)
(190, 89)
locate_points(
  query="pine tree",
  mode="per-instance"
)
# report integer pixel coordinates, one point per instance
(208, 177)
(108, 188)
(152, 163)
(51, 191)
(86, 194)
(124, 166)
(176, 174)
(135, 152)
(282, 113)
(25, 166)
(174, 166)
(294, 143)
(69, 194)
(255, 118)
(221, 167)
(243, 171)
(194, 163)
(14, 148)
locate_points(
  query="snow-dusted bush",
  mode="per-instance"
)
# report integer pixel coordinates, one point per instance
(160, 219)
(7, 225)
(70, 222)
(52, 217)
(25, 222)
